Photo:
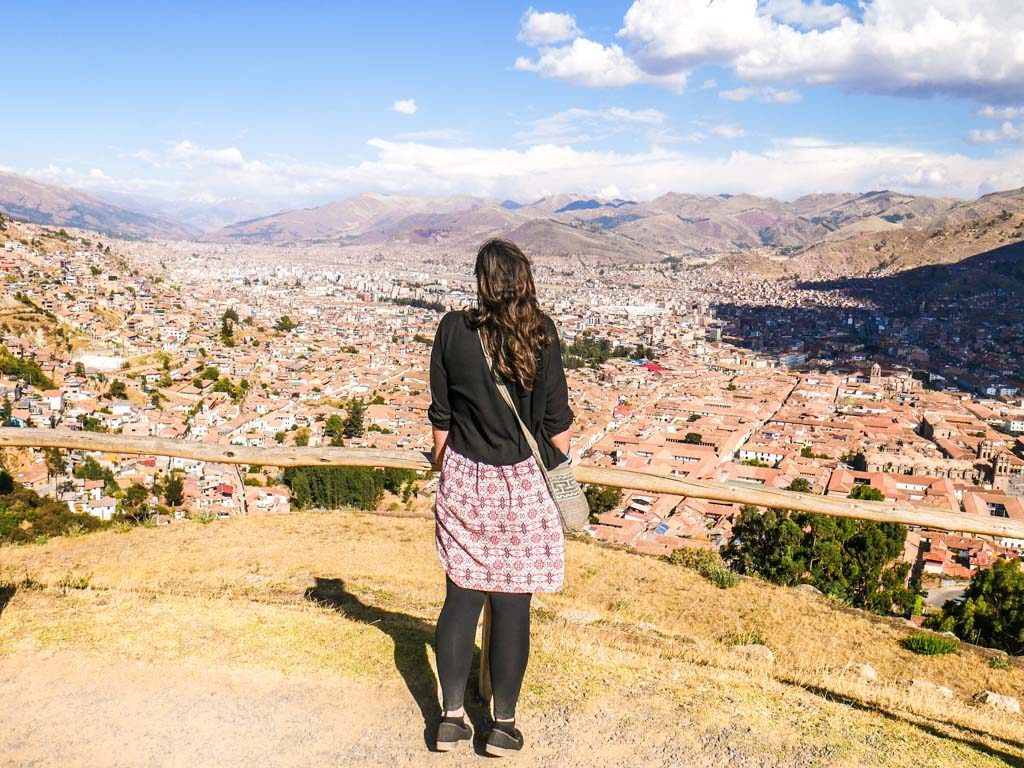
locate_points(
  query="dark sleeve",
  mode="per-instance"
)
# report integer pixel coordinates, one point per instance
(439, 412)
(557, 414)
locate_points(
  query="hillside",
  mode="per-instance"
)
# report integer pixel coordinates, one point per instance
(29, 200)
(344, 221)
(879, 254)
(305, 640)
(563, 224)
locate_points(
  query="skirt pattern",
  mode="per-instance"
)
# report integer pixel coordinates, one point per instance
(498, 530)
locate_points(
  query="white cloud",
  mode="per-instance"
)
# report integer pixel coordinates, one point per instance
(728, 131)
(785, 169)
(671, 36)
(440, 134)
(807, 15)
(708, 84)
(229, 157)
(667, 137)
(968, 48)
(1004, 113)
(738, 94)
(545, 28)
(585, 62)
(768, 95)
(405, 106)
(575, 126)
(1007, 132)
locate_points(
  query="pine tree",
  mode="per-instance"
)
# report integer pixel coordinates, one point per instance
(354, 423)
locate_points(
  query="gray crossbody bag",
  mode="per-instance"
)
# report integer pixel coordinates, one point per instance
(565, 490)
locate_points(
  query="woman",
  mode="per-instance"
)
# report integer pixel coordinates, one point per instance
(498, 531)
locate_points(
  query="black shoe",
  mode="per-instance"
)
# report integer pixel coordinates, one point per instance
(504, 740)
(450, 732)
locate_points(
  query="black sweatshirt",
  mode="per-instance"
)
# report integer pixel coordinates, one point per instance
(466, 403)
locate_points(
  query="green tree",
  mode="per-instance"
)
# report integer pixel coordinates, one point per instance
(800, 485)
(79, 368)
(602, 498)
(302, 437)
(117, 389)
(20, 368)
(588, 350)
(54, 462)
(853, 560)
(284, 324)
(693, 438)
(992, 612)
(335, 429)
(394, 479)
(854, 459)
(25, 516)
(354, 426)
(225, 385)
(335, 487)
(174, 490)
(90, 469)
(865, 493)
(767, 544)
(132, 506)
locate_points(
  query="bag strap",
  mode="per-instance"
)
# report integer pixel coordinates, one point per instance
(506, 395)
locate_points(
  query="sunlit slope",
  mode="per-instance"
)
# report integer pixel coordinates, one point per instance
(309, 635)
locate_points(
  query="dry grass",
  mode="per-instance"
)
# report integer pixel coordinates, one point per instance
(234, 594)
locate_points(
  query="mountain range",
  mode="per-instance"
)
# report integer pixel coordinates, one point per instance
(29, 200)
(821, 235)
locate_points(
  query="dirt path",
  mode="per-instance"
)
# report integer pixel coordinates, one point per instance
(74, 710)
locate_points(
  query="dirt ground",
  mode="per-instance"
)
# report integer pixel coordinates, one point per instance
(307, 640)
(76, 711)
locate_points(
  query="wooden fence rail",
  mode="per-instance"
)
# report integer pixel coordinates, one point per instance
(740, 493)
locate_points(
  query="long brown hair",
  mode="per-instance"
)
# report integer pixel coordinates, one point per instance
(507, 312)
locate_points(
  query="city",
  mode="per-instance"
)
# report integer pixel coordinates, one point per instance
(242, 345)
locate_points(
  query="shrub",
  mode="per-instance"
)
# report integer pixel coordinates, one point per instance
(1001, 663)
(602, 499)
(749, 637)
(992, 611)
(708, 563)
(852, 560)
(930, 645)
(723, 578)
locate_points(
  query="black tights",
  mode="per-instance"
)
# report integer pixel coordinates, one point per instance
(509, 648)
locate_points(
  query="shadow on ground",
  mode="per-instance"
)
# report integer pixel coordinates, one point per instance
(6, 593)
(941, 730)
(412, 637)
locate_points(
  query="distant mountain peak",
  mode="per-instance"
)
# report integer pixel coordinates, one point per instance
(580, 205)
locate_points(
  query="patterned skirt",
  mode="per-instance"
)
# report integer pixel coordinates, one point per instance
(498, 529)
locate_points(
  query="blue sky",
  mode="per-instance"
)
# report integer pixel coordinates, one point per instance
(298, 103)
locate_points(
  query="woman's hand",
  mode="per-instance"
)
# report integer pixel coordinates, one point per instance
(440, 443)
(561, 441)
